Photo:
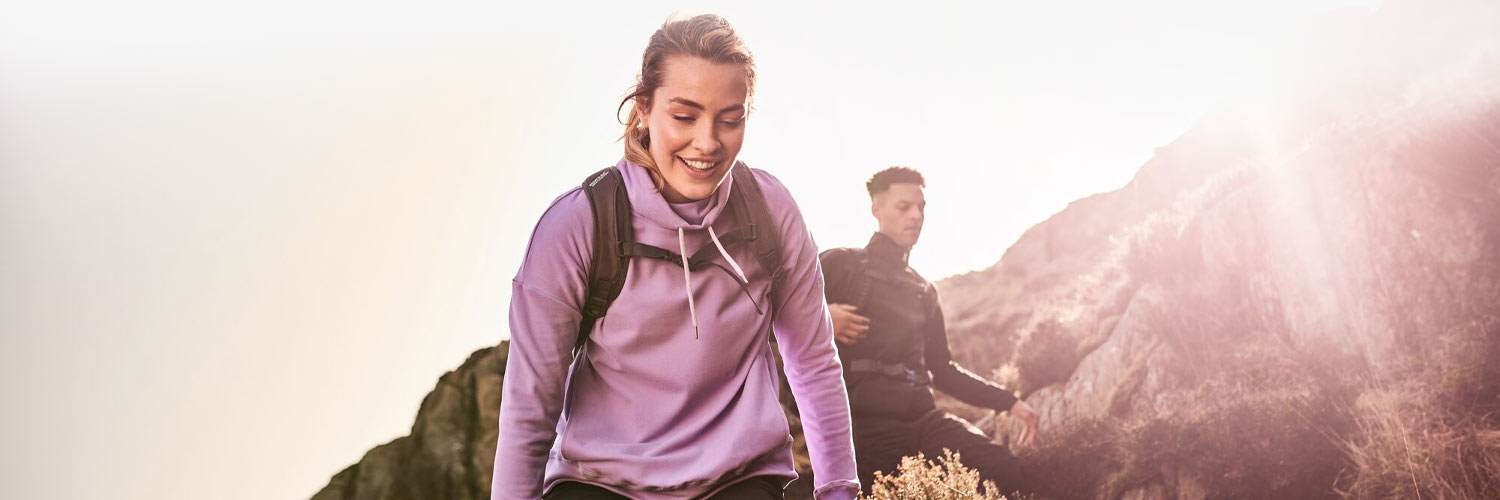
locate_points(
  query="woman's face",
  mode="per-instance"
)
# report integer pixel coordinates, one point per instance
(696, 122)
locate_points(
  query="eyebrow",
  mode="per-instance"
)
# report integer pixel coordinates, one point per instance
(691, 104)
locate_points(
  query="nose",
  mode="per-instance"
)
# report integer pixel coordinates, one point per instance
(706, 137)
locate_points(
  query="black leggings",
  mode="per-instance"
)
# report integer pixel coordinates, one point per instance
(755, 488)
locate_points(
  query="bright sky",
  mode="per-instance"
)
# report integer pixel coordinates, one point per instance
(239, 242)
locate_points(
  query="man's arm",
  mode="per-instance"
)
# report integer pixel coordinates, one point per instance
(948, 377)
(848, 325)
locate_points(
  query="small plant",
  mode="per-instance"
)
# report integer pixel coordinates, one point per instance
(919, 479)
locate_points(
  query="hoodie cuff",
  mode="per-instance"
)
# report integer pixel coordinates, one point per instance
(838, 490)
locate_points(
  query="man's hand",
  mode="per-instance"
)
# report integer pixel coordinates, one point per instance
(848, 327)
(1030, 422)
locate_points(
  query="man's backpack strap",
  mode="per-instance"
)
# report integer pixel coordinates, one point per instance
(749, 205)
(612, 233)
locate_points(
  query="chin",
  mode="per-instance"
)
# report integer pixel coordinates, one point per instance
(696, 194)
(697, 189)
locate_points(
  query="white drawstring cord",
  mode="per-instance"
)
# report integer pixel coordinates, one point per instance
(687, 279)
(732, 263)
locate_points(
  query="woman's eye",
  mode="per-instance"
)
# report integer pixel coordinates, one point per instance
(733, 123)
(683, 118)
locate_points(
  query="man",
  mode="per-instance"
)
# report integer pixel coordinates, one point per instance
(889, 328)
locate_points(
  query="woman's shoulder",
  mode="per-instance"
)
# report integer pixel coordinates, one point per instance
(570, 212)
(562, 240)
(779, 201)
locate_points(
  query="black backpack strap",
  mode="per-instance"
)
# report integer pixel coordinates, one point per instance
(612, 234)
(749, 205)
(845, 275)
(696, 261)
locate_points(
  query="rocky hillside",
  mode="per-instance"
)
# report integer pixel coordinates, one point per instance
(1251, 318)
(1298, 301)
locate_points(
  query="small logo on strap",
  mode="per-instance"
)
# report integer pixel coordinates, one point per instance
(599, 178)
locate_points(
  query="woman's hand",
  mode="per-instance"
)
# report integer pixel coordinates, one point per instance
(848, 327)
(1031, 422)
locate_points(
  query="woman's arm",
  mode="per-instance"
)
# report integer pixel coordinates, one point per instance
(546, 298)
(805, 337)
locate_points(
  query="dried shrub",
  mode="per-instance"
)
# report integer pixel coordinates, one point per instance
(1047, 356)
(1007, 376)
(919, 479)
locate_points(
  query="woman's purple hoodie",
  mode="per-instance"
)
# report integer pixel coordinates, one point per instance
(648, 410)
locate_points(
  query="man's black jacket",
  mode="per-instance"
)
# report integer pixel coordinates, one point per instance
(906, 331)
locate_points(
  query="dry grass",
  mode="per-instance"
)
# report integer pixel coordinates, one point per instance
(1436, 434)
(1407, 449)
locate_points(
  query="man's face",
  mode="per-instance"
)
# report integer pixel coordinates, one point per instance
(900, 211)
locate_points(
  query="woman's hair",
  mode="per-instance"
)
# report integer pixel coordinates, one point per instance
(705, 36)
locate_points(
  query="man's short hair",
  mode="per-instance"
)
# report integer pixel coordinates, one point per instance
(883, 179)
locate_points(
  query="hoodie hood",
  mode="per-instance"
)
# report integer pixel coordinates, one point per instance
(649, 204)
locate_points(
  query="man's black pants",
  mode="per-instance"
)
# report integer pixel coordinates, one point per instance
(881, 442)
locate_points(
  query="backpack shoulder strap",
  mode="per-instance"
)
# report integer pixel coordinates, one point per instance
(612, 234)
(749, 204)
(846, 275)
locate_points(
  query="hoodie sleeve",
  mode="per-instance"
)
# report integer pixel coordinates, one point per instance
(805, 337)
(546, 300)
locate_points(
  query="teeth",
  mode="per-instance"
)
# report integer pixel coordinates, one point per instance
(699, 165)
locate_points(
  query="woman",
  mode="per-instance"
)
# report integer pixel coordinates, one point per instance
(674, 395)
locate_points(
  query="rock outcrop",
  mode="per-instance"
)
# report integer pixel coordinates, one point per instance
(450, 453)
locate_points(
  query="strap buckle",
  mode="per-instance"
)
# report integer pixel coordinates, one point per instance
(595, 306)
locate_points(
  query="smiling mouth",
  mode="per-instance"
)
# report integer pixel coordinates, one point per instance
(699, 165)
